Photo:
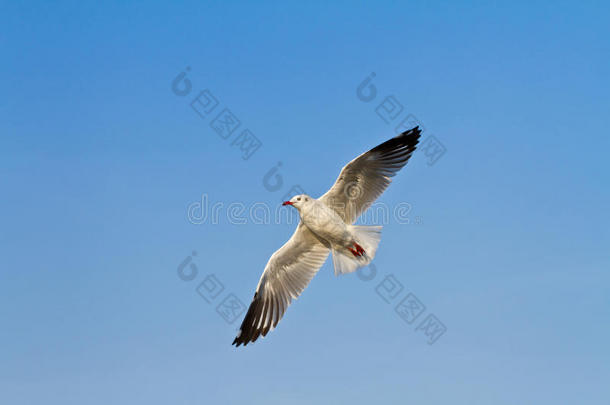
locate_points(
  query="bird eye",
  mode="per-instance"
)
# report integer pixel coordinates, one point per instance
(299, 199)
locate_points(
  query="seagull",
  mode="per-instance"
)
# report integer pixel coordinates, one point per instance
(326, 226)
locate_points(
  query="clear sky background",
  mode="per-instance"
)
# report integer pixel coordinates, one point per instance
(507, 243)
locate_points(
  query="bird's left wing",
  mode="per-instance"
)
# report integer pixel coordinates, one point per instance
(288, 272)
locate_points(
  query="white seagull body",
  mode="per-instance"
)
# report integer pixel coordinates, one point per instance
(325, 227)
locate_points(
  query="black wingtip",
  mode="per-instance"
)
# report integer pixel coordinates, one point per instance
(248, 332)
(414, 132)
(407, 139)
(238, 342)
(239, 339)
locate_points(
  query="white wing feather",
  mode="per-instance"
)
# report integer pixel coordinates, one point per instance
(287, 274)
(366, 177)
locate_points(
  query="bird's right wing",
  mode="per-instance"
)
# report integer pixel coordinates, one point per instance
(288, 272)
(363, 179)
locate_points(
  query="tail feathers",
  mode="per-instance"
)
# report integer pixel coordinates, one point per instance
(345, 264)
(366, 236)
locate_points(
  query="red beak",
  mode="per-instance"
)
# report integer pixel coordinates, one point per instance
(287, 203)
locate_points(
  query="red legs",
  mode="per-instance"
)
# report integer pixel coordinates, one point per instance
(357, 250)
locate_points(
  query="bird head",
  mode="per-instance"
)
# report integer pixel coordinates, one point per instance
(298, 201)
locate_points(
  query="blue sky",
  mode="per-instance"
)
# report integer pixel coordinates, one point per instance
(506, 243)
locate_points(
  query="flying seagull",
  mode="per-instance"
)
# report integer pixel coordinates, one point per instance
(325, 227)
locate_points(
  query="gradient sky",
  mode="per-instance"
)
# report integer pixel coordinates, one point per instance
(507, 240)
